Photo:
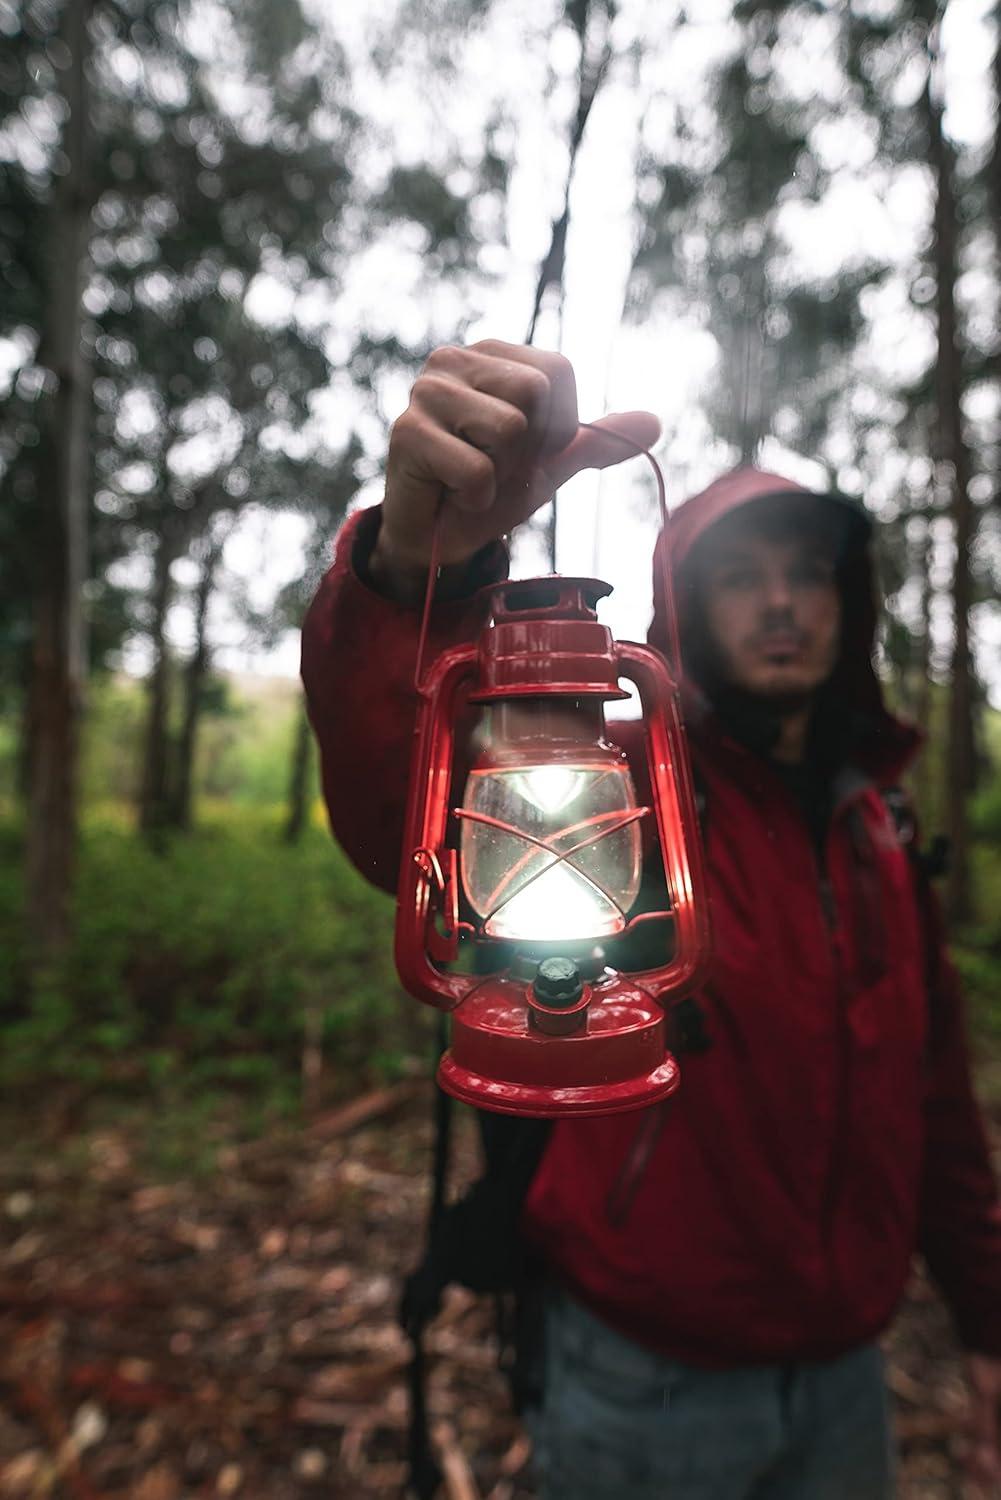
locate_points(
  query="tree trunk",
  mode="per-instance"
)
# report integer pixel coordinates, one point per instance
(295, 820)
(590, 77)
(922, 686)
(994, 168)
(154, 797)
(194, 679)
(954, 472)
(58, 653)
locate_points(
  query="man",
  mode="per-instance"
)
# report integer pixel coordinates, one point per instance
(721, 1268)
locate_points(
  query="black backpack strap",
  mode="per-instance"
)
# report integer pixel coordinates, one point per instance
(929, 863)
(425, 1475)
(422, 1298)
(474, 1242)
(926, 865)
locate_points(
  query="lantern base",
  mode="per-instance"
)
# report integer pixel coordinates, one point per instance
(540, 1102)
(500, 1061)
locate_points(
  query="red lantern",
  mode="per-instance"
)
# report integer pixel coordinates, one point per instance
(543, 855)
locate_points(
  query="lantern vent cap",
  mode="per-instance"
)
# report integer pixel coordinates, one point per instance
(552, 597)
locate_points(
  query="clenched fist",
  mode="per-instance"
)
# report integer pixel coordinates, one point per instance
(494, 430)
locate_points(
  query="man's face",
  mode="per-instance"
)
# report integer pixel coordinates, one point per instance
(773, 609)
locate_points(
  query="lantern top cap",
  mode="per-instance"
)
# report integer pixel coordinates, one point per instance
(550, 598)
(544, 637)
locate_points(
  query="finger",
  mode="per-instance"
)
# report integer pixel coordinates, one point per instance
(617, 438)
(555, 422)
(496, 427)
(423, 460)
(518, 382)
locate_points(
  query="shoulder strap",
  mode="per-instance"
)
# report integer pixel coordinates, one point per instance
(422, 1297)
(473, 1241)
(926, 865)
(930, 863)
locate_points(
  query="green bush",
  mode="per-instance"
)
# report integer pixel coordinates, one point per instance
(204, 960)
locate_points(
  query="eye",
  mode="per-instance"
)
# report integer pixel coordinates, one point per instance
(813, 571)
(737, 578)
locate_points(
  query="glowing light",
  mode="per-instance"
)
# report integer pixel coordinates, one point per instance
(556, 907)
(549, 788)
(518, 821)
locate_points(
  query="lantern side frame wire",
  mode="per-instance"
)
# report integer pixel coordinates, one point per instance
(644, 666)
(669, 773)
(622, 820)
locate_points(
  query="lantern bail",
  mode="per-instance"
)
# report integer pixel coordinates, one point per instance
(545, 637)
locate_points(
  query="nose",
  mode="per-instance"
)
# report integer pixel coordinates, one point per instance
(778, 591)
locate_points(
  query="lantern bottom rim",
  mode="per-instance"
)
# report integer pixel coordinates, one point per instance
(541, 1101)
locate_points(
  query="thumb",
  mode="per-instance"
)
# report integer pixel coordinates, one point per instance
(610, 440)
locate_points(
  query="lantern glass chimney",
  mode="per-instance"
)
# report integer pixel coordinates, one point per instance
(547, 851)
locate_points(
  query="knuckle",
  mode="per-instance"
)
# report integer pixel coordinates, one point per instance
(481, 469)
(512, 425)
(406, 426)
(430, 384)
(409, 433)
(534, 384)
(445, 357)
(478, 472)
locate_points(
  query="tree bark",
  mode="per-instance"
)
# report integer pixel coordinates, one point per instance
(922, 687)
(179, 815)
(954, 472)
(295, 820)
(57, 670)
(154, 797)
(994, 167)
(590, 77)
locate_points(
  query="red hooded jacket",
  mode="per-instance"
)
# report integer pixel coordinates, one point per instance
(830, 1128)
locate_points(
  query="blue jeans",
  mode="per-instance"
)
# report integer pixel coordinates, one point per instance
(622, 1423)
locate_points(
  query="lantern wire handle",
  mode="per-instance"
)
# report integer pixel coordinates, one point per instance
(673, 639)
(433, 568)
(637, 451)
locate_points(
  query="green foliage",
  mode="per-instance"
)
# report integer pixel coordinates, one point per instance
(986, 808)
(198, 966)
(244, 745)
(112, 739)
(986, 814)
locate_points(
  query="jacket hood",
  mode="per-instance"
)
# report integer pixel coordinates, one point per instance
(876, 741)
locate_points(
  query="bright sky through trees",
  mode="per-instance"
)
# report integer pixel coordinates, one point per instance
(668, 362)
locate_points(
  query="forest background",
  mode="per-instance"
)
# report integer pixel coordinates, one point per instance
(230, 232)
(229, 235)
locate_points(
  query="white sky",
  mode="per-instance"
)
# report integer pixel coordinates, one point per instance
(606, 524)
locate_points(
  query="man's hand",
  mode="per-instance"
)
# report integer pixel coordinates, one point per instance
(983, 1460)
(494, 429)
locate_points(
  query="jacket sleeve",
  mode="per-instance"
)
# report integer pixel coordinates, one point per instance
(960, 1216)
(359, 653)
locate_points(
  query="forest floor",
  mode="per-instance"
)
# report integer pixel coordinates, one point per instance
(229, 1329)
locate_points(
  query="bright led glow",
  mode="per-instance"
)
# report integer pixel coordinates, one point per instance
(557, 907)
(549, 788)
(519, 819)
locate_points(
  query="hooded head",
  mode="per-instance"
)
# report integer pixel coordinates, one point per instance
(748, 679)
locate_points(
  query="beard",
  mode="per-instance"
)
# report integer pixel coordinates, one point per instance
(755, 718)
(783, 702)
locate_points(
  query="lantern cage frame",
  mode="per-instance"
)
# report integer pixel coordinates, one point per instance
(510, 1050)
